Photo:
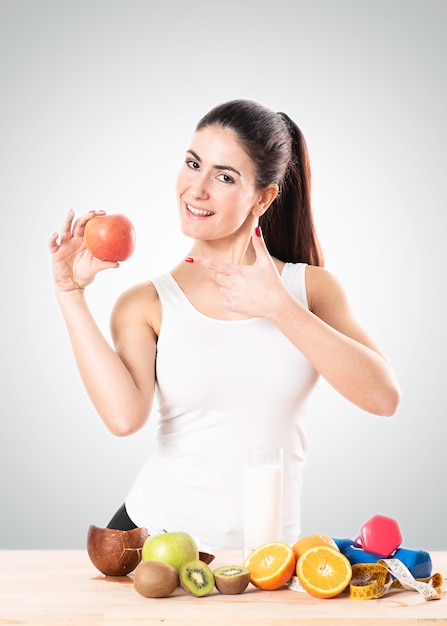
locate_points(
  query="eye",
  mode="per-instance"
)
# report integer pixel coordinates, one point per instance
(192, 164)
(225, 178)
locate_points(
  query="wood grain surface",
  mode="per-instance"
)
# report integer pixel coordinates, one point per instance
(57, 588)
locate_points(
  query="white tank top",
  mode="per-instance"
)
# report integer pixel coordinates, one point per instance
(222, 387)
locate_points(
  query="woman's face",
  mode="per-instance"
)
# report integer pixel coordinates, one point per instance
(216, 190)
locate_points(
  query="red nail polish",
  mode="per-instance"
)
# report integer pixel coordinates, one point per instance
(189, 259)
(258, 231)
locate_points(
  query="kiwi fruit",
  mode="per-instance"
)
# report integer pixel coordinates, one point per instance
(196, 578)
(231, 579)
(154, 579)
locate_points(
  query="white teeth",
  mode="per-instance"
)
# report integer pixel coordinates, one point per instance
(195, 211)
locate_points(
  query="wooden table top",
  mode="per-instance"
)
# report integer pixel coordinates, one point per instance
(58, 587)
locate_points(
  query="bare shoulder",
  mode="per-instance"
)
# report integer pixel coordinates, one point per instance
(139, 304)
(328, 300)
(324, 290)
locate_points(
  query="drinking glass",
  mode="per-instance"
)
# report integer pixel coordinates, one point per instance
(263, 497)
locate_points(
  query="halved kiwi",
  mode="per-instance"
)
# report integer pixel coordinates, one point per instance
(231, 579)
(196, 578)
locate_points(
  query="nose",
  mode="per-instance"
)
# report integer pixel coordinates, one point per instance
(200, 185)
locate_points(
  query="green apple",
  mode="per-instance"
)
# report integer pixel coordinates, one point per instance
(173, 548)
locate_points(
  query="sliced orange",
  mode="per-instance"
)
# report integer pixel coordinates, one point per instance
(323, 571)
(271, 565)
(309, 541)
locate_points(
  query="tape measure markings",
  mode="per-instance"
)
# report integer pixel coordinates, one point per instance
(374, 580)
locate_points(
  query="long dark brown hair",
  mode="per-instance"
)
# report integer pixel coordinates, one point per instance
(279, 153)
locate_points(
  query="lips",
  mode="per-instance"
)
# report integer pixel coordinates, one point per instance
(198, 212)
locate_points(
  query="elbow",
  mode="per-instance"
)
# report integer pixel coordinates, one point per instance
(121, 429)
(125, 418)
(388, 403)
(125, 425)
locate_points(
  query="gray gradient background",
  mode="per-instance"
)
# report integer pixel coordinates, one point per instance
(99, 100)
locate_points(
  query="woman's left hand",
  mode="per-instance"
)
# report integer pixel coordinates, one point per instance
(251, 290)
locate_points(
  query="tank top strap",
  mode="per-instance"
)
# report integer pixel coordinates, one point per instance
(168, 290)
(294, 278)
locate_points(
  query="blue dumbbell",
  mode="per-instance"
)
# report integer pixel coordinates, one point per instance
(417, 561)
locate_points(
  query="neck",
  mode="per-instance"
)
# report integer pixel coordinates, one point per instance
(237, 250)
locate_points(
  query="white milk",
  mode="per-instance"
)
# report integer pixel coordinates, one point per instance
(262, 505)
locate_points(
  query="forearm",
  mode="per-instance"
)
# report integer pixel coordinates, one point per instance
(358, 372)
(110, 385)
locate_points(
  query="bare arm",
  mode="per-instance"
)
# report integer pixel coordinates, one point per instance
(331, 338)
(120, 382)
(326, 333)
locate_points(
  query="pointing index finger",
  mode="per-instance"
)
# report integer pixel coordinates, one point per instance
(217, 266)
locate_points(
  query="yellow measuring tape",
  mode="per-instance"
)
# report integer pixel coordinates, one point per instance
(373, 580)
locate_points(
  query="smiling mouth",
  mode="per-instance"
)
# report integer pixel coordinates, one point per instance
(198, 212)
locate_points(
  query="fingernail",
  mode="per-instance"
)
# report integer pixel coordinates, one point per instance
(189, 259)
(258, 231)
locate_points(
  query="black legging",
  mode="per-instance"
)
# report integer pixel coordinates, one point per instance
(121, 520)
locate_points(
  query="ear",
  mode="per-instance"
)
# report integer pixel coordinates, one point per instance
(265, 199)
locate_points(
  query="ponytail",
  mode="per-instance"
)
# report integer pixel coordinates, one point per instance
(288, 226)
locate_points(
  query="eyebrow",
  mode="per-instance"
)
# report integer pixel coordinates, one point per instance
(217, 167)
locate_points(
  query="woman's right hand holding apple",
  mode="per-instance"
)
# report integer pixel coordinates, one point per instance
(74, 267)
(121, 389)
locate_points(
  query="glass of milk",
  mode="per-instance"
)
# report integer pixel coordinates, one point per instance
(263, 494)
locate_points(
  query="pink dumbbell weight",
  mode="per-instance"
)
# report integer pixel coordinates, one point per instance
(380, 536)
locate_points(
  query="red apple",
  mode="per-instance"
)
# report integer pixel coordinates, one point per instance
(110, 237)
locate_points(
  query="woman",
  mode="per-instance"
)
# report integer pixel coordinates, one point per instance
(232, 340)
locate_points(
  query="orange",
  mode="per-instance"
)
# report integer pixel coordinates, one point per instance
(323, 571)
(309, 541)
(271, 565)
